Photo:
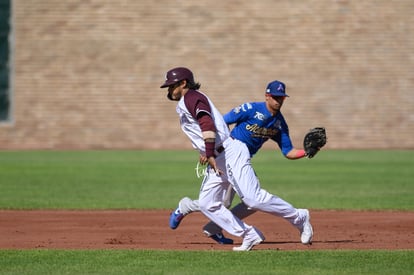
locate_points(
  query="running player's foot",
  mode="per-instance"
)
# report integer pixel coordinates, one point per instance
(253, 237)
(306, 230)
(175, 218)
(219, 238)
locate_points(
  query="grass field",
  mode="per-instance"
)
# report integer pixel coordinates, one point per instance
(205, 262)
(362, 180)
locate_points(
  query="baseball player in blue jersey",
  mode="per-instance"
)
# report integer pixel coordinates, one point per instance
(255, 123)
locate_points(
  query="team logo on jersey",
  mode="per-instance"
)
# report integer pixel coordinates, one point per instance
(259, 116)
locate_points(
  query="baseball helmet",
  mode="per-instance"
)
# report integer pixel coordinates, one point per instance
(177, 74)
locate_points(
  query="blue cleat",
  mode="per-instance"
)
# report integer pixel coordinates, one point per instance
(175, 218)
(220, 239)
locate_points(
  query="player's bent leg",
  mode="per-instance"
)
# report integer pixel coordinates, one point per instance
(188, 206)
(214, 231)
(213, 208)
(211, 205)
(220, 215)
(299, 218)
(185, 207)
(224, 218)
(266, 202)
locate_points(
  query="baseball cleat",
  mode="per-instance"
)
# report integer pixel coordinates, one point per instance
(306, 230)
(220, 239)
(175, 218)
(252, 238)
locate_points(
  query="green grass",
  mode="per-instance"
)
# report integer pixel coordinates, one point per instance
(93, 179)
(204, 262)
(366, 180)
(370, 180)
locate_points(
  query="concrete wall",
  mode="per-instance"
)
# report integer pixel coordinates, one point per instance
(86, 73)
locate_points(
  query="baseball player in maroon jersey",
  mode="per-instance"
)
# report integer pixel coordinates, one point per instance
(209, 134)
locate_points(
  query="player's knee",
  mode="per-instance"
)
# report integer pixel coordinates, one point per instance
(258, 200)
(208, 206)
(254, 203)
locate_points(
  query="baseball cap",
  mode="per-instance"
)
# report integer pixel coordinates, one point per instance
(276, 88)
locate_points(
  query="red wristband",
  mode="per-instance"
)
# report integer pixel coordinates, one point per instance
(210, 148)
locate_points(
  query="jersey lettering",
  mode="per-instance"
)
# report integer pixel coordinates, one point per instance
(261, 131)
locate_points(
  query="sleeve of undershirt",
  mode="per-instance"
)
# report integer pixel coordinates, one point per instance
(200, 109)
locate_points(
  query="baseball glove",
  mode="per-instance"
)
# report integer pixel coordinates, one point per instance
(314, 140)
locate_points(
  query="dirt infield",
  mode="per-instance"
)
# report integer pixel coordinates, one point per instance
(149, 230)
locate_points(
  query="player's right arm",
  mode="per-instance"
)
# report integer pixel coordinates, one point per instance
(208, 131)
(200, 109)
(238, 114)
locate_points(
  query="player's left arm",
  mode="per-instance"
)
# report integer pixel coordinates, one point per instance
(285, 144)
(291, 152)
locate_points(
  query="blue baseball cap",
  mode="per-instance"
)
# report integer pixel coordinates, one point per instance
(276, 88)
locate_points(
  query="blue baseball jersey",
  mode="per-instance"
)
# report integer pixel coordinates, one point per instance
(255, 125)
